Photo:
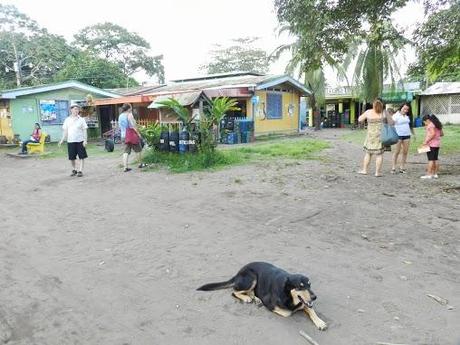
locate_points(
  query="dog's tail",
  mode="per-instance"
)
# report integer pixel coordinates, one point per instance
(217, 286)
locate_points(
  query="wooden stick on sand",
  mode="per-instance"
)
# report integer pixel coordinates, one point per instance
(306, 336)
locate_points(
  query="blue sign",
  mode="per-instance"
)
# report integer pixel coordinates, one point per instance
(255, 99)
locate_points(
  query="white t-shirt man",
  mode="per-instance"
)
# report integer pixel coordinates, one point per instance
(76, 129)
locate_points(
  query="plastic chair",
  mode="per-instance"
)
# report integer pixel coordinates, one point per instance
(37, 147)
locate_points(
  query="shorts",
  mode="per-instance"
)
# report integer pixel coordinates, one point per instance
(135, 148)
(404, 137)
(433, 154)
(76, 149)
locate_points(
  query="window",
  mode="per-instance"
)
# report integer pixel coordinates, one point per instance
(53, 112)
(274, 105)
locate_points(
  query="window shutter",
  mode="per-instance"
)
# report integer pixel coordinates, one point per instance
(274, 106)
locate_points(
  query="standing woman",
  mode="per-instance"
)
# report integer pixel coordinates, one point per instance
(433, 130)
(403, 126)
(373, 145)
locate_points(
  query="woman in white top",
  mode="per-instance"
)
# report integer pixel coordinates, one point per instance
(403, 126)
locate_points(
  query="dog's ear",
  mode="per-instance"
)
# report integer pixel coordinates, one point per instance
(288, 285)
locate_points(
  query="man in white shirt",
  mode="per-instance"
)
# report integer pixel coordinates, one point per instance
(74, 130)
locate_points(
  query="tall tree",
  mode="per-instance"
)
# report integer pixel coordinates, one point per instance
(375, 46)
(94, 71)
(438, 46)
(327, 30)
(242, 55)
(29, 55)
(116, 44)
(322, 37)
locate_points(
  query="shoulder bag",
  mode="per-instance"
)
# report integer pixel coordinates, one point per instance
(131, 137)
(388, 135)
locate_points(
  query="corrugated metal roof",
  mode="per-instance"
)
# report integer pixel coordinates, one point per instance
(442, 88)
(136, 90)
(184, 98)
(13, 93)
(232, 81)
(219, 75)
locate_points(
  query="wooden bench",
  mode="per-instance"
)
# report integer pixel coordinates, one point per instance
(37, 147)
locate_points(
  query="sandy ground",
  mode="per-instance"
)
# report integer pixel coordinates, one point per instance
(115, 258)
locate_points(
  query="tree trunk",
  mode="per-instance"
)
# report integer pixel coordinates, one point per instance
(316, 113)
(17, 65)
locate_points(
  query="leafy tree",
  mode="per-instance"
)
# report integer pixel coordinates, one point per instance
(374, 52)
(327, 29)
(322, 37)
(29, 55)
(118, 45)
(314, 79)
(438, 47)
(94, 71)
(240, 56)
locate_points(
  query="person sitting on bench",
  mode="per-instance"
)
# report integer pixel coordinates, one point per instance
(34, 138)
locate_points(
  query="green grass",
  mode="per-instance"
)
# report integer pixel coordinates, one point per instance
(288, 148)
(180, 163)
(450, 142)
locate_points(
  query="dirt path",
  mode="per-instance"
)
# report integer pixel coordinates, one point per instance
(114, 258)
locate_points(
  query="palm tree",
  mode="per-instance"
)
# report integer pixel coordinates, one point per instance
(313, 76)
(182, 112)
(374, 55)
(211, 118)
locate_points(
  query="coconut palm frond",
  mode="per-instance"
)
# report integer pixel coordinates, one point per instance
(174, 105)
(316, 82)
(280, 50)
(220, 106)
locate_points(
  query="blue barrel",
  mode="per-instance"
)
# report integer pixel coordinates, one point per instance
(232, 138)
(164, 141)
(184, 137)
(245, 137)
(173, 141)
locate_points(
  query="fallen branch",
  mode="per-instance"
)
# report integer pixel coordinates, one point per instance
(438, 299)
(389, 194)
(306, 336)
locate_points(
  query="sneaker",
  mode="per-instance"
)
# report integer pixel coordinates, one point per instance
(79, 174)
(393, 171)
(426, 177)
(435, 176)
(402, 171)
(74, 173)
(142, 165)
(127, 169)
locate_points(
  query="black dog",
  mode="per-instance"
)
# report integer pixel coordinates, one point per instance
(279, 291)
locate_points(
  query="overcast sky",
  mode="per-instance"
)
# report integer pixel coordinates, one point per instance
(184, 31)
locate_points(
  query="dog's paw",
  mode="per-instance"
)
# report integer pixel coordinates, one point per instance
(322, 326)
(257, 301)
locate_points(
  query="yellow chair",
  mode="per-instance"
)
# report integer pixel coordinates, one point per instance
(37, 147)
